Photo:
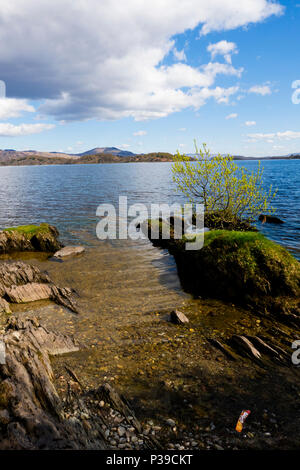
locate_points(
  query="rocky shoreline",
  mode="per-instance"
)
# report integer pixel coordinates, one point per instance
(199, 374)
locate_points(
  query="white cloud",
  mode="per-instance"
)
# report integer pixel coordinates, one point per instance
(224, 48)
(140, 133)
(179, 55)
(124, 146)
(182, 129)
(250, 123)
(11, 107)
(269, 137)
(260, 90)
(232, 116)
(10, 130)
(118, 69)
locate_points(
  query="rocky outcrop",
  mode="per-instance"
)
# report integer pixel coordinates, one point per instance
(67, 251)
(31, 412)
(244, 267)
(270, 219)
(34, 416)
(30, 238)
(21, 283)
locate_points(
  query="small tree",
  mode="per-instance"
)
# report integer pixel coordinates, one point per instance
(221, 186)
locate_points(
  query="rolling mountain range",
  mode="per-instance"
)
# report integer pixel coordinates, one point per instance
(98, 155)
(10, 154)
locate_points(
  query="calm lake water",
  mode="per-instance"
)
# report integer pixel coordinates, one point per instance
(68, 196)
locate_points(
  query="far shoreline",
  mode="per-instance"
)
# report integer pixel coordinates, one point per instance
(122, 160)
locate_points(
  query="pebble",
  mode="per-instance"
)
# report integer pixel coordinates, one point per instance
(170, 422)
(121, 431)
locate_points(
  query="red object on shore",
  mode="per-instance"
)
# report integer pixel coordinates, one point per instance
(243, 416)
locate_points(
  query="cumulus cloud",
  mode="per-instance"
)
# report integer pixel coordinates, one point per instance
(105, 60)
(260, 90)
(232, 116)
(224, 48)
(179, 55)
(11, 130)
(250, 123)
(12, 108)
(269, 137)
(138, 133)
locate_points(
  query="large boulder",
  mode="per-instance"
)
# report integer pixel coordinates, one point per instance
(244, 267)
(42, 237)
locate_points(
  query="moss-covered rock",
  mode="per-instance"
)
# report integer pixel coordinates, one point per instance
(243, 267)
(42, 237)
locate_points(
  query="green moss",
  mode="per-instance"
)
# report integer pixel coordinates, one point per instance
(29, 230)
(240, 266)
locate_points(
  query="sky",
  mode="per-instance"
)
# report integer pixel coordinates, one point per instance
(150, 76)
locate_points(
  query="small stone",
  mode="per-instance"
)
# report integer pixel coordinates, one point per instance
(170, 422)
(217, 447)
(69, 251)
(121, 431)
(178, 317)
(4, 417)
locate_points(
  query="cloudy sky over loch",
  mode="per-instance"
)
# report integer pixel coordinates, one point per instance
(150, 76)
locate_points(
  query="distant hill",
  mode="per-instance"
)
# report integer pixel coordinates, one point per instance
(108, 150)
(100, 155)
(10, 154)
(24, 159)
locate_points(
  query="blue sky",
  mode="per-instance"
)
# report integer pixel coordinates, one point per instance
(151, 76)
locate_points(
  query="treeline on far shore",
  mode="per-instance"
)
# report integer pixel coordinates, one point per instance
(86, 159)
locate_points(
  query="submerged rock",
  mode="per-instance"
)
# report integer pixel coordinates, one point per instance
(30, 238)
(69, 251)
